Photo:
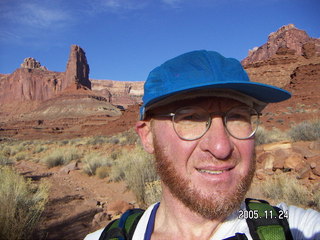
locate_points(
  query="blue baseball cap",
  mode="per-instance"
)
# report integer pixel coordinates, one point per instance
(205, 73)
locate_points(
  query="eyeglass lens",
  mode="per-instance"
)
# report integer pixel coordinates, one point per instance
(191, 123)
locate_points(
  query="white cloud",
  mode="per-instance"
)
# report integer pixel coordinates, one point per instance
(39, 14)
(172, 3)
(43, 16)
(122, 5)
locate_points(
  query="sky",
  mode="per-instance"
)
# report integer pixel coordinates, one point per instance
(125, 39)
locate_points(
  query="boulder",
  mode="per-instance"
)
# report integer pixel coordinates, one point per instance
(31, 63)
(99, 218)
(316, 170)
(293, 161)
(70, 167)
(118, 207)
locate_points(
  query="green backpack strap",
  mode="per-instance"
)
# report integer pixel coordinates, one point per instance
(266, 222)
(124, 227)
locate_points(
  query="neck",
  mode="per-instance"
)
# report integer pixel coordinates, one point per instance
(176, 221)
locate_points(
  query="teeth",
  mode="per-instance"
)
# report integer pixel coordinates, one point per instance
(210, 172)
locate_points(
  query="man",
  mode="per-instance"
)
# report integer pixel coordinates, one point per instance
(199, 116)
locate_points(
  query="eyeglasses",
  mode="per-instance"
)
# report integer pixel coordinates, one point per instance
(191, 123)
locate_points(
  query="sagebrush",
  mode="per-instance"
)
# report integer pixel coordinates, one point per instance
(21, 205)
(136, 168)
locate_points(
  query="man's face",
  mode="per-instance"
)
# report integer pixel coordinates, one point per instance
(209, 175)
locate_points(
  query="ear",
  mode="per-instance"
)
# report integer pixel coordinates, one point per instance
(143, 129)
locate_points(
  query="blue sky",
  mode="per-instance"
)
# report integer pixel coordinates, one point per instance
(125, 39)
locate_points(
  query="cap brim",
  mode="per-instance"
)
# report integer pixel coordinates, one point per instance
(257, 95)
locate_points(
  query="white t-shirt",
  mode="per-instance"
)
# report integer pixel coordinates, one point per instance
(304, 225)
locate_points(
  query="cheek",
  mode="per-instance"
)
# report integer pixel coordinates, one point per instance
(173, 147)
(246, 151)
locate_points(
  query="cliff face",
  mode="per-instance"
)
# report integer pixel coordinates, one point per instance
(30, 84)
(33, 82)
(290, 60)
(119, 92)
(286, 37)
(286, 49)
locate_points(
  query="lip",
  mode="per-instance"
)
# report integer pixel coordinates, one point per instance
(215, 173)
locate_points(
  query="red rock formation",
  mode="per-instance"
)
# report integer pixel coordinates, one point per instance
(30, 84)
(287, 37)
(77, 71)
(32, 63)
(33, 82)
(119, 92)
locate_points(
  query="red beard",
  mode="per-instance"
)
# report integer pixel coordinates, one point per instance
(217, 205)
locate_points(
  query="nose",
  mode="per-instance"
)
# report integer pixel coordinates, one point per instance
(216, 140)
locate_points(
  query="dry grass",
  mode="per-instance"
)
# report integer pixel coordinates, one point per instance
(306, 131)
(61, 156)
(286, 188)
(136, 168)
(264, 136)
(95, 160)
(21, 205)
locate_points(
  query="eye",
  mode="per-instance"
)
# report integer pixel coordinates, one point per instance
(193, 117)
(241, 114)
(191, 114)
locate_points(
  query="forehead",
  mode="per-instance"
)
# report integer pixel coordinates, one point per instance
(208, 103)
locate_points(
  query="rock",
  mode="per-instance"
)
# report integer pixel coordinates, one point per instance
(315, 145)
(316, 170)
(268, 162)
(278, 163)
(286, 40)
(77, 71)
(309, 50)
(276, 146)
(99, 218)
(260, 174)
(303, 170)
(304, 150)
(263, 157)
(121, 92)
(293, 160)
(31, 63)
(70, 167)
(118, 207)
(32, 82)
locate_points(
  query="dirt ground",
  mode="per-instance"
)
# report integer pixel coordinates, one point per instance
(74, 199)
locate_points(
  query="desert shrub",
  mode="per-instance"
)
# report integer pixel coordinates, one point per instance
(7, 151)
(102, 171)
(136, 168)
(97, 140)
(21, 156)
(264, 136)
(21, 205)
(317, 200)
(306, 131)
(128, 137)
(39, 149)
(92, 161)
(63, 142)
(152, 192)
(285, 187)
(5, 158)
(15, 149)
(61, 156)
